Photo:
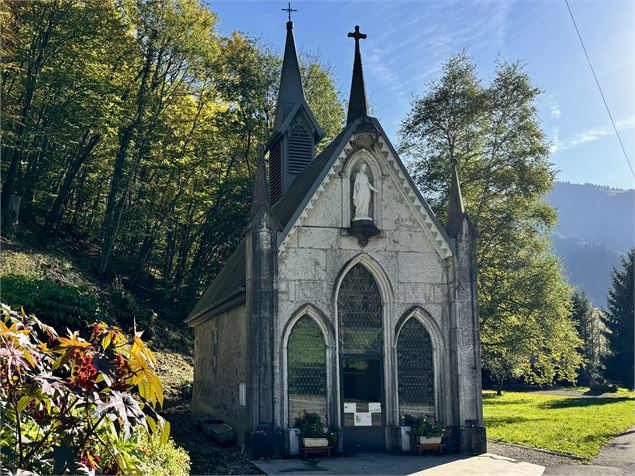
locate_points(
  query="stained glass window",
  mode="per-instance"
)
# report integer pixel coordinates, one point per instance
(415, 369)
(360, 313)
(306, 369)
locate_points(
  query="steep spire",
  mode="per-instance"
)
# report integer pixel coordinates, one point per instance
(291, 92)
(291, 146)
(357, 105)
(456, 209)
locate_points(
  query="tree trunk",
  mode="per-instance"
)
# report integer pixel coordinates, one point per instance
(37, 51)
(115, 202)
(65, 190)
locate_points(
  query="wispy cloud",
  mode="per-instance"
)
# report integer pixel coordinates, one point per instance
(413, 48)
(554, 107)
(593, 134)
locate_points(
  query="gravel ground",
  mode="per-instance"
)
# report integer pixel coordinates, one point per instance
(530, 455)
(566, 392)
(206, 456)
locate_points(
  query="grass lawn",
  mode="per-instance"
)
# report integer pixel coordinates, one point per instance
(575, 424)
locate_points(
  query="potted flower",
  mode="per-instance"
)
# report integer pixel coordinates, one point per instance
(428, 433)
(311, 430)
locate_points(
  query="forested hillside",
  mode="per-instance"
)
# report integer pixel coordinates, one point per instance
(133, 128)
(596, 226)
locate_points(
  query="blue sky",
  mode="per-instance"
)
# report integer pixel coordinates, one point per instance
(408, 41)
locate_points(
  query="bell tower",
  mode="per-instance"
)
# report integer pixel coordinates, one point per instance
(291, 146)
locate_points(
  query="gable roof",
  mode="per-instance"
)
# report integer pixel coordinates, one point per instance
(364, 124)
(228, 289)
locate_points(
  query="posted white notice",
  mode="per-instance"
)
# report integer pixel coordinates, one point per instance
(363, 419)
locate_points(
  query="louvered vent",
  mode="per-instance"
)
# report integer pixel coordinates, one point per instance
(275, 172)
(300, 149)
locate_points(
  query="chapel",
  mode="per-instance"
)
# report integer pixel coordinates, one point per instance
(346, 297)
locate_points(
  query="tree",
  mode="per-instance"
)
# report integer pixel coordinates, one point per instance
(589, 326)
(493, 133)
(134, 126)
(619, 323)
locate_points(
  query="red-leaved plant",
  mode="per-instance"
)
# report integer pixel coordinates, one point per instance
(75, 405)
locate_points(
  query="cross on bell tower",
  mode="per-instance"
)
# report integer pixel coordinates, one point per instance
(291, 146)
(357, 104)
(289, 10)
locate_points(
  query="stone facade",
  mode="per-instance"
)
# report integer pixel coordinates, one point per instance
(414, 276)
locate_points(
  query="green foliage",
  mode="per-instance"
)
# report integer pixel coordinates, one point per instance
(134, 127)
(589, 326)
(492, 131)
(310, 425)
(160, 459)
(58, 306)
(422, 426)
(75, 405)
(573, 424)
(619, 323)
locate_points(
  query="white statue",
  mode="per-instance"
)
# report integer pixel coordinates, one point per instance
(361, 194)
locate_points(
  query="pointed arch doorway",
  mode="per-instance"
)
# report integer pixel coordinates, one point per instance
(361, 343)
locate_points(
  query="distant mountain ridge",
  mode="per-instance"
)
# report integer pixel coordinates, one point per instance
(596, 226)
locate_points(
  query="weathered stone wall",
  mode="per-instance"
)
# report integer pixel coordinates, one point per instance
(220, 366)
(415, 274)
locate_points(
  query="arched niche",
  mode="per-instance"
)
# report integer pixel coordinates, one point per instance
(419, 346)
(387, 298)
(373, 170)
(307, 347)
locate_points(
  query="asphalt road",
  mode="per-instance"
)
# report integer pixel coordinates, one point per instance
(615, 459)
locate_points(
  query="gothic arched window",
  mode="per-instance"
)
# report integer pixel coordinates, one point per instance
(415, 369)
(360, 313)
(306, 370)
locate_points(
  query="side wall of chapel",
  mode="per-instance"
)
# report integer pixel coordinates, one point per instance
(220, 366)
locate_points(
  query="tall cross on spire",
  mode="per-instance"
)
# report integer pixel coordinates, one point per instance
(289, 10)
(357, 35)
(357, 104)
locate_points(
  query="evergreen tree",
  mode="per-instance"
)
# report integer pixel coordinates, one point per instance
(619, 323)
(588, 324)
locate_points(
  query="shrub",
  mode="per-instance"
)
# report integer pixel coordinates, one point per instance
(310, 425)
(57, 305)
(599, 385)
(78, 405)
(423, 426)
(409, 420)
(161, 459)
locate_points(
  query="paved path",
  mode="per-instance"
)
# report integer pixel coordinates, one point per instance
(617, 458)
(387, 464)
